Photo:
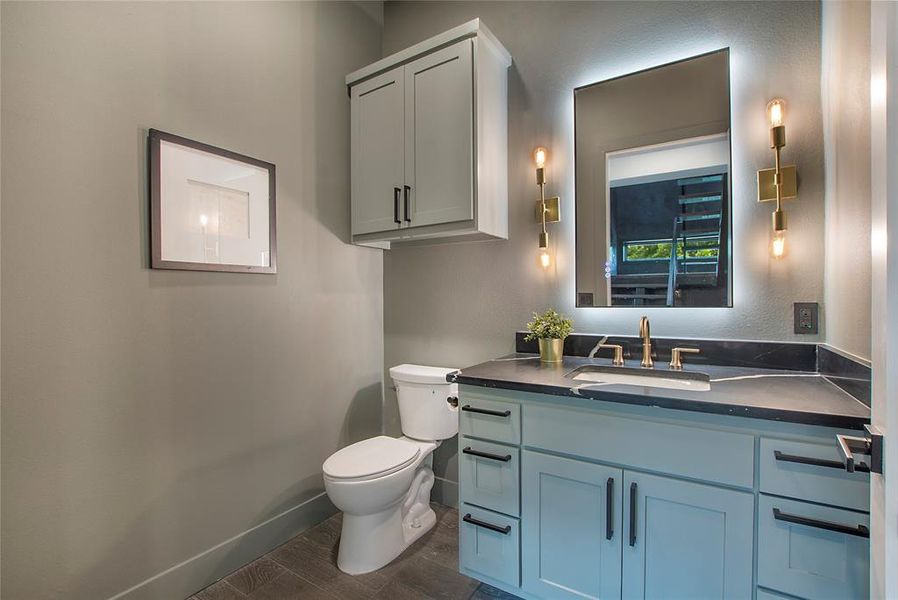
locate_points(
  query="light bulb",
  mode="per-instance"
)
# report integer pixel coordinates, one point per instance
(204, 220)
(539, 157)
(778, 247)
(545, 259)
(776, 112)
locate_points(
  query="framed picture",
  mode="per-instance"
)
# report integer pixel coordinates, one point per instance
(210, 209)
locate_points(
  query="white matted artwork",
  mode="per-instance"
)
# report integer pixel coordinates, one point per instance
(211, 209)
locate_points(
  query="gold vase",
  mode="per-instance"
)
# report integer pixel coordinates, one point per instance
(551, 350)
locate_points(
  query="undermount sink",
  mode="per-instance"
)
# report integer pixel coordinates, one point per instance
(671, 380)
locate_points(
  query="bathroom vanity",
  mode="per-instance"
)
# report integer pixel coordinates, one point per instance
(572, 488)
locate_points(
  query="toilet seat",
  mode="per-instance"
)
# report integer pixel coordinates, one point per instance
(371, 458)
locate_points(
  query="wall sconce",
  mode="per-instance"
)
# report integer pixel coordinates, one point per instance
(547, 209)
(779, 183)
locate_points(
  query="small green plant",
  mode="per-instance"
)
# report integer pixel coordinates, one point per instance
(549, 325)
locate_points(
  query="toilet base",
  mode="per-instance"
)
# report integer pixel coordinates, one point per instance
(369, 542)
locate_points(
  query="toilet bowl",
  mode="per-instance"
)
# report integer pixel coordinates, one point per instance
(383, 484)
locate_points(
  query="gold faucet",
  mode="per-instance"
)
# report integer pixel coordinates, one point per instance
(645, 334)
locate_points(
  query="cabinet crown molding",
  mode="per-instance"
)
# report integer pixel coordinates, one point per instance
(473, 28)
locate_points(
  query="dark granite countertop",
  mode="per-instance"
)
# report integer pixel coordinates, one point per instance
(790, 396)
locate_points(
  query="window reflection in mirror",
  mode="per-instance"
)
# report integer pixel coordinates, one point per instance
(653, 187)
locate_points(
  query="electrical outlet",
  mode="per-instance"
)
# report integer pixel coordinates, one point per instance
(805, 317)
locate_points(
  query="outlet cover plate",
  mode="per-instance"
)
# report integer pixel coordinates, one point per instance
(805, 317)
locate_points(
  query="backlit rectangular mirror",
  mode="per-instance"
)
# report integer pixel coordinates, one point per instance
(653, 187)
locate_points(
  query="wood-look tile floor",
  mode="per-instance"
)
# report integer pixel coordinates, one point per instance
(306, 568)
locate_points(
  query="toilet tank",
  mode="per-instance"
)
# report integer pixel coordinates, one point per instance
(424, 407)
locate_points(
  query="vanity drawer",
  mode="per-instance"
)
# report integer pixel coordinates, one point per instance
(488, 545)
(815, 557)
(827, 481)
(489, 419)
(489, 475)
(704, 454)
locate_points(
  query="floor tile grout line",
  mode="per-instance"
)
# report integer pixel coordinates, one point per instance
(307, 580)
(259, 559)
(242, 595)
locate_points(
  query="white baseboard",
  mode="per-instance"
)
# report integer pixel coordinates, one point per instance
(188, 577)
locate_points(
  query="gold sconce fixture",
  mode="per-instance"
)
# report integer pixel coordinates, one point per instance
(547, 209)
(779, 183)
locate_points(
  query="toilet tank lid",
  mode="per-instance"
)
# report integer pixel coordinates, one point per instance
(420, 374)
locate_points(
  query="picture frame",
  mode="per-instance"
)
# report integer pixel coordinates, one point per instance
(211, 209)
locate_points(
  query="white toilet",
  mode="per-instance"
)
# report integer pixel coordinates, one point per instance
(383, 484)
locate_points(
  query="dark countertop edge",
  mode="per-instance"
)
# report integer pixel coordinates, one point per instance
(755, 412)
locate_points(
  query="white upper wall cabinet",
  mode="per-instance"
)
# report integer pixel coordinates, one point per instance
(378, 155)
(430, 141)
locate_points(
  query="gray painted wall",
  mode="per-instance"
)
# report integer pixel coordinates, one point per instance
(150, 415)
(846, 134)
(457, 305)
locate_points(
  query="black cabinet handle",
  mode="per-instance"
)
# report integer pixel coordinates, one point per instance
(469, 519)
(407, 189)
(609, 508)
(817, 462)
(486, 411)
(396, 192)
(633, 490)
(500, 457)
(858, 530)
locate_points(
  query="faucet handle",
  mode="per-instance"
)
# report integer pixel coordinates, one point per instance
(618, 359)
(676, 360)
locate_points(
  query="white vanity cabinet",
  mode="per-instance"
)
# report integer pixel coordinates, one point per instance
(429, 141)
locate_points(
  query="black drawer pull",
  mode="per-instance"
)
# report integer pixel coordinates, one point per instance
(858, 530)
(609, 508)
(396, 193)
(818, 462)
(406, 190)
(469, 519)
(505, 458)
(633, 491)
(486, 411)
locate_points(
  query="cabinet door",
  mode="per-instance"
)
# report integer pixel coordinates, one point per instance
(570, 528)
(686, 540)
(439, 134)
(378, 154)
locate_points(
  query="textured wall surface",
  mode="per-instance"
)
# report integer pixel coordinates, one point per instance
(846, 134)
(456, 305)
(150, 415)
